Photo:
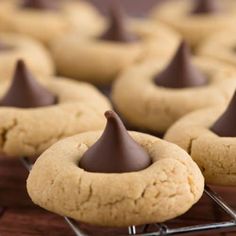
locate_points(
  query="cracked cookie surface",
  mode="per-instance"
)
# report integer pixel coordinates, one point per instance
(99, 62)
(22, 47)
(166, 189)
(28, 132)
(215, 155)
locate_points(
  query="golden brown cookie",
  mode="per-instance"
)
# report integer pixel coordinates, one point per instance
(34, 114)
(220, 46)
(14, 47)
(99, 61)
(48, 24)
(162, 191)
(208, 136)
(197, 22)
(149, 106)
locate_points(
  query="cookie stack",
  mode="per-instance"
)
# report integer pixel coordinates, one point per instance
(163, 77)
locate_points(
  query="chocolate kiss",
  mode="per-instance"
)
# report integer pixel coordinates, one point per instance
(115, 151)
(41, 4)
(117, 30)
(180, 73)
(25, 91)
(225, 125)
(206, 6)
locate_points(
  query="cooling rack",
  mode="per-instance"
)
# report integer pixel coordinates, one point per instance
(163, 229)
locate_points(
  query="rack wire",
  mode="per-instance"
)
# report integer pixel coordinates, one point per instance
(164, 230)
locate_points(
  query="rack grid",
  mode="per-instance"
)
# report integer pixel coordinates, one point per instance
(164, 230)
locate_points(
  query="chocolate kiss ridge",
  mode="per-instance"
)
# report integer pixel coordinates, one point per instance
(180, 73)
(225, 125)
(206, 7)
(115, 151)
(41, 4)
(117, 30)
(26, 92)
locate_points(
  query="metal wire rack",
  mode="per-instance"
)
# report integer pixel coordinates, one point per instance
(164, 230)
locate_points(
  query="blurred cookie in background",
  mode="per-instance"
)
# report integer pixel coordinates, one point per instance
(14, 47)
(197, 19)
(46, 20)
(220, 46)
(123, 42)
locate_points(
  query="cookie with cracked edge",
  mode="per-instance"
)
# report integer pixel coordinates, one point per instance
(209, 136)
(25, 130)
(162, 191)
